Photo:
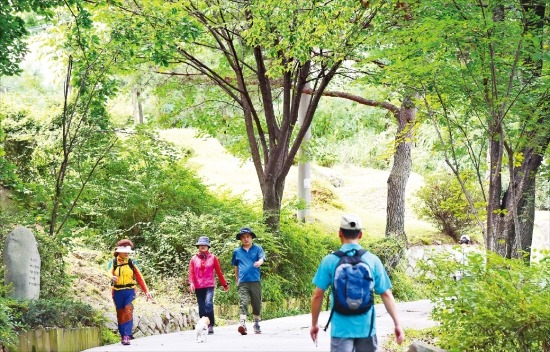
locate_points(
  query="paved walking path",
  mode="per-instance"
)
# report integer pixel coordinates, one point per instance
(282, 334)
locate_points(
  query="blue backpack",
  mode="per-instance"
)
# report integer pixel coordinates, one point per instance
(352, 286)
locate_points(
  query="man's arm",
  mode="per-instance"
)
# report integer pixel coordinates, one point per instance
(237, 274)
(389, 303)
(316, 304)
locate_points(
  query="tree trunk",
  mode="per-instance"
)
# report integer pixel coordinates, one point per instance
(272, 193)
(400, 172)
(506, 237)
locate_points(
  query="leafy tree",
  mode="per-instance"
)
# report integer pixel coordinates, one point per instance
(482, 71)
(260, 54)
(13, 29)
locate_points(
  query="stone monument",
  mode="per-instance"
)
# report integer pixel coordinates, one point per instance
(22, 264)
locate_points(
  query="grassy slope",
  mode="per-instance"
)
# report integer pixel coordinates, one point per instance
(361, 190)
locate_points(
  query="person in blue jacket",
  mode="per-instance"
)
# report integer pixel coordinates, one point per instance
(247, 260)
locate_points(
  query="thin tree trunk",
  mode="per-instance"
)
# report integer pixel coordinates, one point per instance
(400, 172)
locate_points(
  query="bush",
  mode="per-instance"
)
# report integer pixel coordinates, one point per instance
(22, 315)
(442, 202)
(8, 336)
(392, 254)
(55, 313)
(499, 305)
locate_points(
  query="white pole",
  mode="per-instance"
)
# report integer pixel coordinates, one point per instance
(304, 167)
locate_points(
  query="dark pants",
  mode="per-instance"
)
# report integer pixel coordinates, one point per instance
(369, 344)
(205, 299)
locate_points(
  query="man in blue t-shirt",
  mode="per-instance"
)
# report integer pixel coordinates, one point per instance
(350, 332)
(247, 260)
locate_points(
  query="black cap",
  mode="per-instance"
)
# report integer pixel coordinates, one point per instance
(245, 230)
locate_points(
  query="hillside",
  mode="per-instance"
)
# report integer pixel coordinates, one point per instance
(360, 190)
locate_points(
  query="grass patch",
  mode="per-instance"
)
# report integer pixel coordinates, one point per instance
(411, 335)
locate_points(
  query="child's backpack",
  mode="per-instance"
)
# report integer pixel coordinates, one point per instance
(352, 286)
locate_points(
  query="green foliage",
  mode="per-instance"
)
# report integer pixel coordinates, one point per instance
(296, 254)
(499, 304)
(406, 288)
(21, 315)
(58, 312)
(411, 335)
(160, 185)
(338, 133)
(392, 254)
(389, 249)
(14, 29)
(8, 336)
(443, 203)
(54, 280)
(340, 127)
(16, 130)
(365, 149)
(170, 245)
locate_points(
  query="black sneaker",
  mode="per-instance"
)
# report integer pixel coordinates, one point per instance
(257, 329)
(210, 330)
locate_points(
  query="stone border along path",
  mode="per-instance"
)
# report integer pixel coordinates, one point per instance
(282, 334)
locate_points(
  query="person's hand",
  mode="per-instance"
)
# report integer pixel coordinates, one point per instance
(114, 279)
(258, 263)
(313, 331)
(399, 334)
(149, 296)
(191, 288)
(226, 288)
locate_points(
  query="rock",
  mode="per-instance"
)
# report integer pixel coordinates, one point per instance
(22, 264)
(419, 346)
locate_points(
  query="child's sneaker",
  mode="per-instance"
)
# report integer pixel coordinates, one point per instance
(242, 328)
(257, 329)
(126, 340)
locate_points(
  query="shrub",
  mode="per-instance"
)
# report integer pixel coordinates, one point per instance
(442, 202)
(54, 280)
(392, 254)
(499, 305)
(21, 315)
(57, 313)
(8, 336)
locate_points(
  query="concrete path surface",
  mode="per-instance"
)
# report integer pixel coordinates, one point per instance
(282, 334)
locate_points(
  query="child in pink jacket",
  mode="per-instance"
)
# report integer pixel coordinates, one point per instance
(201, 279)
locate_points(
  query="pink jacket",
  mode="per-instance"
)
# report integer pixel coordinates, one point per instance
(201, 271)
